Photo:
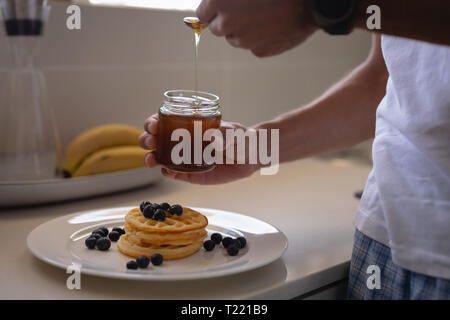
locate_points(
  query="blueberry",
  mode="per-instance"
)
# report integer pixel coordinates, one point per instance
(100, 231)
(209, 245)
(159, 215)
(114, 235)
(132, 265)
(165, 206)
(176, 209)
(149, 212)
(226, 241)
(103, 244)
(90, 242)
(96, 235)
(242, 242)
(105, 230)
(142, 261)
(144, 204)
(232, 250)
(156, 206)
(236, 243)
(119, 230)
(216, 237)
(156, 259)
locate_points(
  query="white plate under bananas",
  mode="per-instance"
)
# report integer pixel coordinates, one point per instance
(101, 160)
(45, 191)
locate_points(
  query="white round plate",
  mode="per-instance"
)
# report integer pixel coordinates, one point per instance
(60, 242)
(22, 193)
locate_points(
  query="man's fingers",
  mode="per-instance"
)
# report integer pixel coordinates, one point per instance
(261, 52)
(168, 173)
(151, 124)
(141, 140)
(207, 10)
(234, 41)
(216, 27)
(243, 41)
(224, 25)
(186, 177)
(147, 141)
(150, 160)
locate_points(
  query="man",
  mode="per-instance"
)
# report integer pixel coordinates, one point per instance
(400, 94)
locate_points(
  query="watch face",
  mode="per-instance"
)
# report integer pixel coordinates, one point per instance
(334, 9)
(334, 16)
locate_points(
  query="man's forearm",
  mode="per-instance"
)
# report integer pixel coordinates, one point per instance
(342, 117)
(427, 20)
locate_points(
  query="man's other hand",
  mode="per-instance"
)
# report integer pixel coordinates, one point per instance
(266, 27)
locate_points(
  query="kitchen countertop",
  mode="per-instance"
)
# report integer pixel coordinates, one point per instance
(311, 201)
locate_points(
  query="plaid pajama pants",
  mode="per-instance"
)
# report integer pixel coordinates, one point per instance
(396, 283)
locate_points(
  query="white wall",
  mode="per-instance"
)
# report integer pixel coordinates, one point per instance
(118, 66)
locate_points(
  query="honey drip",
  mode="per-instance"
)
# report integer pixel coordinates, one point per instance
(197, 26)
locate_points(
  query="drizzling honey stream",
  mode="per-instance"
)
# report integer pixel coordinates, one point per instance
(197, 26)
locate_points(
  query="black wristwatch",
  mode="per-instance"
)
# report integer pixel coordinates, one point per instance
(334, 16)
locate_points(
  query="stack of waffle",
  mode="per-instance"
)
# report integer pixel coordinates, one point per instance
(174, 238)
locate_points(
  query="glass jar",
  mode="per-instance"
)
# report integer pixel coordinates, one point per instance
(195, 112)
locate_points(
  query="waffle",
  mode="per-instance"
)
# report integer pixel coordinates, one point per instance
(161, 238)
(169, 252)
(174, 238)
(189, 220)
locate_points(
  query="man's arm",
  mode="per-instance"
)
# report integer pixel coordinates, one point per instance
(426, 20)
(342, 117)
(271, 27)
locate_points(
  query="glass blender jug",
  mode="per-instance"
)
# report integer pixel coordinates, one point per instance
(29, 140)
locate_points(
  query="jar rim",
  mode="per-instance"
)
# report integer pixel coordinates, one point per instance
(191, 96)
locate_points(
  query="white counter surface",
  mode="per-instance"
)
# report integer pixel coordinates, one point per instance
(311, 201)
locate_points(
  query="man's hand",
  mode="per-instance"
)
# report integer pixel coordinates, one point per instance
(222, 173)
(266, 27)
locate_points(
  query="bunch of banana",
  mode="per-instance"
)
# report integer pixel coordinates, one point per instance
(102, 149)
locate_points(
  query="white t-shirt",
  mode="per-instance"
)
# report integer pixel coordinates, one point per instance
(406, 201)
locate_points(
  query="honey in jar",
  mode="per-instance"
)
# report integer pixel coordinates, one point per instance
(181, 110)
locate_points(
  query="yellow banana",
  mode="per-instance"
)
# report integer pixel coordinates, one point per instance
(97, 138)
(111, 159)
